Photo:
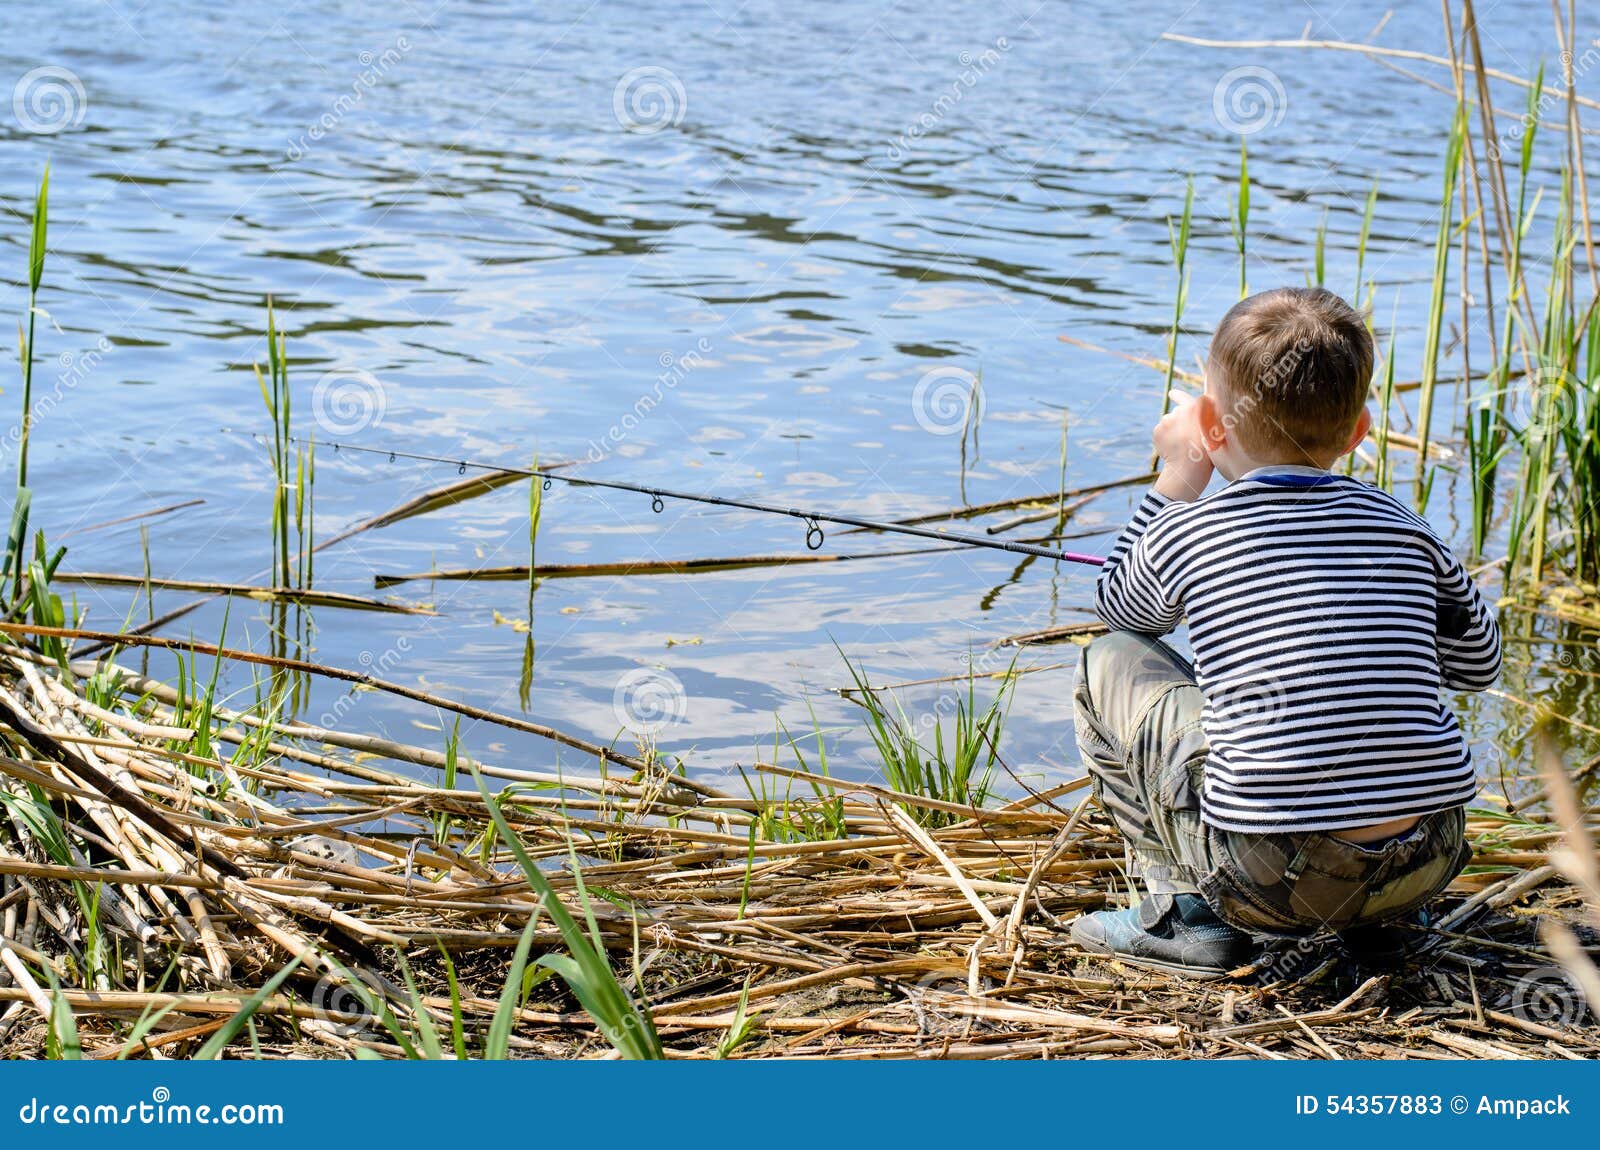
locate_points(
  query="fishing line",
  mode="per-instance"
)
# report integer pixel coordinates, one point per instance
(658, 496)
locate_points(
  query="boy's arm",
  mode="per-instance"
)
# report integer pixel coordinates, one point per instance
(1469, 636)
(1129, 595)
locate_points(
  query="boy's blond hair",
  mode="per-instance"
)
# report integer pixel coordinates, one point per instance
(1293, 367)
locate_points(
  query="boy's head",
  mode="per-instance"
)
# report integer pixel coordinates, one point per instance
(1287, 378)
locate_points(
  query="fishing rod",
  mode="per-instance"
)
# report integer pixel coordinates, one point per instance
(812, 519)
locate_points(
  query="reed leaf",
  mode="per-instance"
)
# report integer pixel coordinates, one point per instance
(1178, 240)
(229, 1030)
(1367, 212)
(1436, 304)
(585, 970)
(1239, 215)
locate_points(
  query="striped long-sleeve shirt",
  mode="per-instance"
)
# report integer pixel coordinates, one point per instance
(1325, 619)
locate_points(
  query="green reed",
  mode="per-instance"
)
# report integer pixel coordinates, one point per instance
(31, 810)
(625, 1023)
(305, 512)
(44, 607)
(1436, 303)
(275, 394)
(1061, 482)
(1239, 216)
(1556, 438)
(444, 821)
(1552, 395)
(16, 539)
(1358, 299)
(219, 1041)
(1385, 471)
(971, 425)
(61, 1043)
(294, 469)
(741, 1027)
(1581, 442)
(1178, 241)
(959, 769)
(1319, 257)
(293, 519)
(535, 512)
(781, 817)
(1488, 442)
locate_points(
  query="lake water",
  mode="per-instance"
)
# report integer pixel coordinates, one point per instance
(709, 246)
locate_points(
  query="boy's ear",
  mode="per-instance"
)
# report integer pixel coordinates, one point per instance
(1213, 431)
(1363, 426)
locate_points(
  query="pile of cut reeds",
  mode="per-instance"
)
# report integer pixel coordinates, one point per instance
(315, 899)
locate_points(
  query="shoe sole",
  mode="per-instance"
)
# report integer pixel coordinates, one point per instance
(1182, 970)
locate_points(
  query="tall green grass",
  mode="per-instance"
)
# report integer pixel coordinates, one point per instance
(1384, 468)
(293, 519)
(971, 426)
(1319, 257)
(276, 395)
(535, 513)
(1436, 303)
(1178, 241)
(1363, 294)
(782, 817)
(1239, 217)
(958, 767)
(1553, 427)
(625, 1023)
(1553, 407)
(1488, 436)
(16, 538)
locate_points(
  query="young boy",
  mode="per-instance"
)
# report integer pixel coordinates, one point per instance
(1303, 774)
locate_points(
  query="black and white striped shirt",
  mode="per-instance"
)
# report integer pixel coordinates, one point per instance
(1325, 619)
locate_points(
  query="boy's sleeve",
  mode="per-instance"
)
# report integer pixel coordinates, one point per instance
(1469, 636)
(1129, 595)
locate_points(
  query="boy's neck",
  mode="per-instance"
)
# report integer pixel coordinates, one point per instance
(1299, 468)
(1245, 465)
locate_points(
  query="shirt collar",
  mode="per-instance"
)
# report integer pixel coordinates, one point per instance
(1285, 469)
(1290, 475)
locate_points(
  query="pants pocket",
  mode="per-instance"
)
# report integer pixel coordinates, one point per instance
(1182, 780)
(1303, 883)
(1241, 887)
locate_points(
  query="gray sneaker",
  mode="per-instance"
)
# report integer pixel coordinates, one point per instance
(1179, 934)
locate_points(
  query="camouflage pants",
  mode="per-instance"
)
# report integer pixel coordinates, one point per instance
(1138, 729)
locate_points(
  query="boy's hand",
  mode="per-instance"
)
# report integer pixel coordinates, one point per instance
(1185, 466)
